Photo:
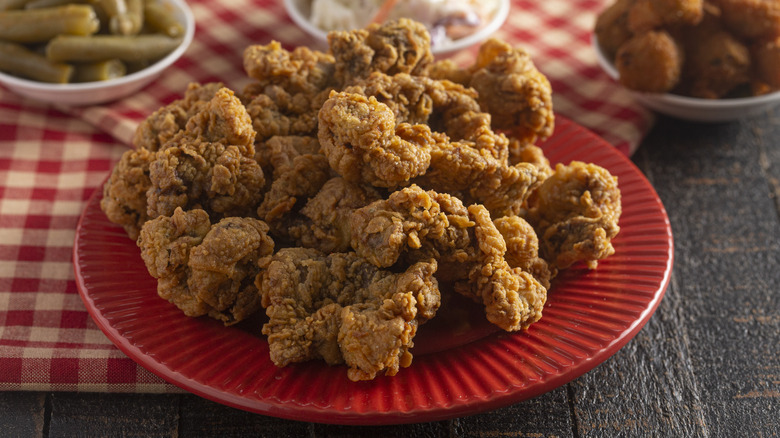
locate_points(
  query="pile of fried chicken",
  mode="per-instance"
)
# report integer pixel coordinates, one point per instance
(340, 189)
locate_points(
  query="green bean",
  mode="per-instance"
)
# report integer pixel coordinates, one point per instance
(125, 17)
(39, 25)
(99, 71)
(102, 47)
(38, 4)
(19, 61)
(135, 16)
(7, 5)
(133, 67)
(160, 18)
(113, 14)
(112, 7)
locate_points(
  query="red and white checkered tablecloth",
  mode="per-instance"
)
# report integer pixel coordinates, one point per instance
(52, 158)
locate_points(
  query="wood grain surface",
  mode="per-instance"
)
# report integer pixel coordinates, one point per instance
(706, 365)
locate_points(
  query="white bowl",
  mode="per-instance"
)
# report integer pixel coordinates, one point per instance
(298, 10)
(691, 108)
(91, 93)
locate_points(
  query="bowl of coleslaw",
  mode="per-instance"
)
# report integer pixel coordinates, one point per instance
(453, 24)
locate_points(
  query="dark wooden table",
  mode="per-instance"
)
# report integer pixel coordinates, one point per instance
(706, 365)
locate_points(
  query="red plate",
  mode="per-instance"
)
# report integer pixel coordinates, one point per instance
(462, 364)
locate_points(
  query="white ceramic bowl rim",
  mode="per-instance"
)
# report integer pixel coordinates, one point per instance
(498, 19)
(189, 32)
(675, 99)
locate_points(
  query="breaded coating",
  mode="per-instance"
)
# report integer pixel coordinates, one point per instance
(766, 59)
(612, 26)
(206, 269)
(299, 71)
(522, 248)
(323, 222)
(298, 172)
(476, 159)
(124, 193)
(447, 69)
(751, 19)
(717, 65)
(223, 119)
(447, 107)
(165, 244)
(512, 297)
(291, 86)
(209, 165)
(276, 155)
(356, 135)
(509, 88)
(412, 220)
(457, 113)
(524, 152)
(505, 191)
(650, 62)
(647, 15)
(575, 213)
(363, 143)
(275, 111)
(413, 224)
(342, 309)
(513, 91)
(290, 192)
(164, 123)
(396, 46)
(406, 95)
(476, 175)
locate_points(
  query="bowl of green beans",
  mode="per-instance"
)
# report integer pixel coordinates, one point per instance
(77, 53)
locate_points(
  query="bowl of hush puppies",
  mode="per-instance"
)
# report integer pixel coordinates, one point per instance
(705, 61)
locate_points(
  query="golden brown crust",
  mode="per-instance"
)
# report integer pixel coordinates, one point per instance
(124, 193)
(342, 309)
(751, 19)
(399, 46)
(766, 56)
(612, 26)
(323, 222)
(512, 297)
(363, 143)
(650, 62)
(647, 15)
(206, 269)
(409, 220)
(161, 126)
(575, 214)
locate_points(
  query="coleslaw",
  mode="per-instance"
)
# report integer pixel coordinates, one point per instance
(446, 20)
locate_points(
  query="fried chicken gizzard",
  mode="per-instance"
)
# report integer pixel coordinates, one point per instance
(575, 212)
(340, 188)
(343, 309)
(197, 152)
(413, 224)
(204, 268)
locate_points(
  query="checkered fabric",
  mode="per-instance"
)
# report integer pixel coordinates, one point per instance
(52, 158)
